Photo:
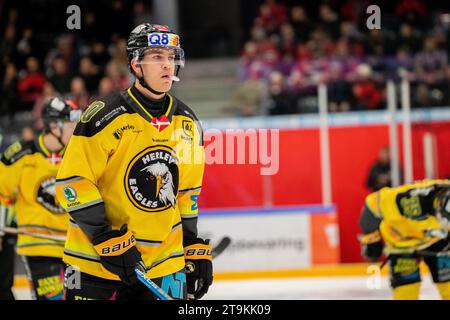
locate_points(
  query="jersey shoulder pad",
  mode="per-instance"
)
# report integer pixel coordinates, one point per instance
(372, 202)
(184, 110)
(100, 113)
(17, 151)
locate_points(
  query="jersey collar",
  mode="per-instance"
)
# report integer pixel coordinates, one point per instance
(45, 152)
(141, 110)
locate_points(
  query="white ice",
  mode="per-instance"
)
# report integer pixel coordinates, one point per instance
(316, 288)
(323, 288)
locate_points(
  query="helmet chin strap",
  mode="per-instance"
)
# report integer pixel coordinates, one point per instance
(146, 86)
(58, 137)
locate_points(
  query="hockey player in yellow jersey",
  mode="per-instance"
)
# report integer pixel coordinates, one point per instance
(7, 249)
(131, 179)
(411, 222)
(27, 174)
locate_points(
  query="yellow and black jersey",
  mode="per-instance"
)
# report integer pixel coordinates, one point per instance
(125, 165)
(7, 214)
(405, 216)
(28, 174)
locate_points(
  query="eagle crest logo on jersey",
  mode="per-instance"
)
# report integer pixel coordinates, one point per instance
(151, 179)
(46, 196)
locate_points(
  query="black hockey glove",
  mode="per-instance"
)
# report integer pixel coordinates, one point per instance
(199, 268)
(371, 246)
(372, 252)
(118, 253)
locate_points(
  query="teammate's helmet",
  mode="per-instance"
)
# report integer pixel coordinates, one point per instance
(443, 203)
(146, 36)
(58, 110)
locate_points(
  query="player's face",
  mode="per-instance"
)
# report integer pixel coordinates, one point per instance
(67, 131)
(159, 67)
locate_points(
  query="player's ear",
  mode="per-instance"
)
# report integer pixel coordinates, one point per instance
(135, 67)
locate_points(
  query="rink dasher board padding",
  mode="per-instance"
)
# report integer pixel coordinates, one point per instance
(275, 239)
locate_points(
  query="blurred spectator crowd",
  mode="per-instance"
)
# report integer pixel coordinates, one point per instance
(79, 65)
(290, 49)
(293, 48)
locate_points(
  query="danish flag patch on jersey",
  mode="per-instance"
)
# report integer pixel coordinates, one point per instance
(160, 123)
(54, 158)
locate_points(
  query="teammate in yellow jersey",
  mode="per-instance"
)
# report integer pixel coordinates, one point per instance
(411, 222)
(130, 180)
(27, 174)
(7, 249)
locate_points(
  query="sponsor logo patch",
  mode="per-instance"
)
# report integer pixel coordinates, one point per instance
(70, 194)
(118, 132)
(110, 114)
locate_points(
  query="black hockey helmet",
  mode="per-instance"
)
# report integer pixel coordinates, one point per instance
(59, 110)
(146, 36)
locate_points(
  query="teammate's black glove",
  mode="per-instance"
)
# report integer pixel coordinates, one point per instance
(118, 253)
(373, 251)
(199, 269)
(371, 246)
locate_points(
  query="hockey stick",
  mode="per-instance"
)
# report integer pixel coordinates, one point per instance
(140, 275)
(423, 253)
(385, 261)
(33, 234)
(160, 293)
(221, 246)
(433, 254)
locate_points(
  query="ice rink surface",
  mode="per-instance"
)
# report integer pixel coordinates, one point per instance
(314, 288)
(340, 288)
